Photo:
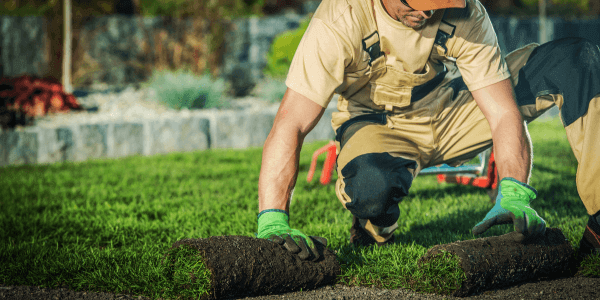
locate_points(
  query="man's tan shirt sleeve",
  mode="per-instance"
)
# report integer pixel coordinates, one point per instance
(318, 65)
(476, 49)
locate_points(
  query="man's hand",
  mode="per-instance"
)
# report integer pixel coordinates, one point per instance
(512, 206)
(273, 224)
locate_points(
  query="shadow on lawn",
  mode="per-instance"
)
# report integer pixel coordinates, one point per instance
(442, 230)
(566, 176)
(444, 190)
(560, 195)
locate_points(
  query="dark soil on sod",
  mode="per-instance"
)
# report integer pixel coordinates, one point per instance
(243, 266)
(498, 261)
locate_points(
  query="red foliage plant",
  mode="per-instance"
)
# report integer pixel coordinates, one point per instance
(32, 97)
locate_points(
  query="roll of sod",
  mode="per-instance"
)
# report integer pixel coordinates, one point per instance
(243, 266)
(499, 261)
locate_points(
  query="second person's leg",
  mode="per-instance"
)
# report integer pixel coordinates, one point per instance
(566, 72)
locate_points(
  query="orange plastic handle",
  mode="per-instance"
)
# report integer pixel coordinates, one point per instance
(327, 167)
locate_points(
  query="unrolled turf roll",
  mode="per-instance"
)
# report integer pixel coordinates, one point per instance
(244, 266)
(499, 261)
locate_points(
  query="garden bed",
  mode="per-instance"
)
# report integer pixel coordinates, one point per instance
(131, 122)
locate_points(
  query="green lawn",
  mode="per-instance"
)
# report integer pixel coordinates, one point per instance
(105, 225)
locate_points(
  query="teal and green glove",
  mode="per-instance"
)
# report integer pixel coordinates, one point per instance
(273, 224)
(512, 206)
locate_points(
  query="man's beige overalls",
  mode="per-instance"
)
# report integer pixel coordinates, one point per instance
(413, 121)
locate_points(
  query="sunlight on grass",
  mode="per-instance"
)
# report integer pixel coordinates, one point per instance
(106, 224)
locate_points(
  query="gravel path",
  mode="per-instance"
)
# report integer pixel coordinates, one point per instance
(132, 104)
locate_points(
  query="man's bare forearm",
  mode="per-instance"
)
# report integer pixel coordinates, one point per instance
(512, 149)
(279, 171)
(296, 117)
(512, 145)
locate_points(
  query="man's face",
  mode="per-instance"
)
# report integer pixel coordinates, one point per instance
(402, 13)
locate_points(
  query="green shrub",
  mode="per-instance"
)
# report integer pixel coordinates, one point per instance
(282, 50)
(241, 80)
(184, 89)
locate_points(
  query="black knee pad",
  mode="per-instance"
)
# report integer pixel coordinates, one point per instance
(568, 66)
(376, 183)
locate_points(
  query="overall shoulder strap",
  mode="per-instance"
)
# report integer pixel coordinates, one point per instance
(446, 29)
(445, 32)
(365, 12)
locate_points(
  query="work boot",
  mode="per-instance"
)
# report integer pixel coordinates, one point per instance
(360, 237)
(590, 242)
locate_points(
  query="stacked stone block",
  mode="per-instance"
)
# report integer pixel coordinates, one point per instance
(197, 131)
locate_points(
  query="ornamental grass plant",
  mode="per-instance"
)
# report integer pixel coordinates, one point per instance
(185, 90)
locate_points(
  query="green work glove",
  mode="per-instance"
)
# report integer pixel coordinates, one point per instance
(512, 206)
(273, 224)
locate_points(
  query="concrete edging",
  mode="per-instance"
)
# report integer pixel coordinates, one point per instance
(198, 130)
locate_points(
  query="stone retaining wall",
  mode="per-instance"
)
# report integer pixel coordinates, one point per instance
(124, 50)
(23, 46)
(198, 130)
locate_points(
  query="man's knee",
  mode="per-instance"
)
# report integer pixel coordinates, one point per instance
(376, 183)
